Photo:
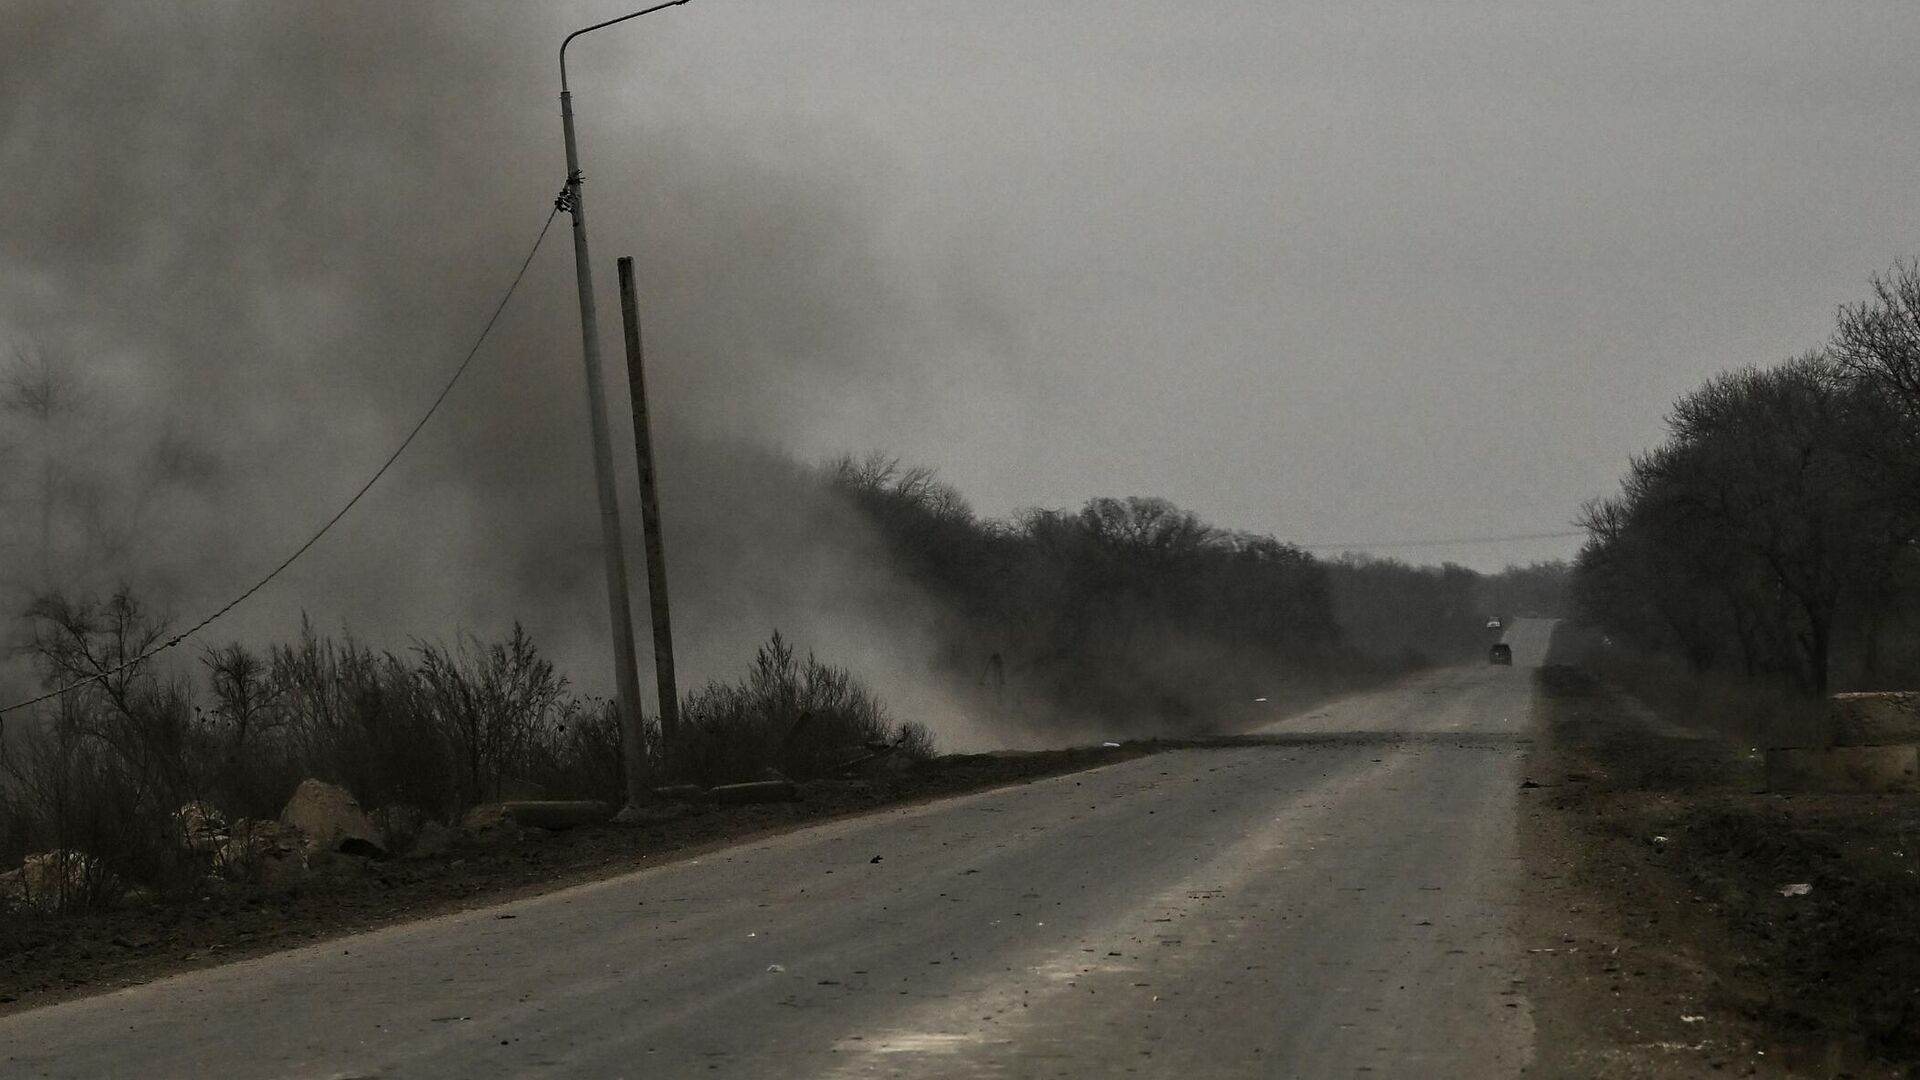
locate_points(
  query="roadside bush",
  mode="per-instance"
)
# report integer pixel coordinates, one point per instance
(108, 764)
(355, 717)
(586, 758)
(798, 717)
(1754, 711)
(95, 780)
(498, 709)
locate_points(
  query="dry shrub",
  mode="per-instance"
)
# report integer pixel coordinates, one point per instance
(101, 771)
(800, 718)
(1755, 711)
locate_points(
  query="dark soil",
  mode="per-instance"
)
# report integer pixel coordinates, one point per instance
(1670, 862)
(50, 958)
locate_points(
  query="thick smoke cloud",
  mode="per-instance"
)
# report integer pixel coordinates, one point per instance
(258, 236)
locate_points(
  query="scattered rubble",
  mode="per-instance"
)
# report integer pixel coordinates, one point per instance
(58, 880)
(201, 828)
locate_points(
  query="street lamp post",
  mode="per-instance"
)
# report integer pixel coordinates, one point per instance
(626, 674)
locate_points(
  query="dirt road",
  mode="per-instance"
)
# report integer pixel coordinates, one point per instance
(1331, 900)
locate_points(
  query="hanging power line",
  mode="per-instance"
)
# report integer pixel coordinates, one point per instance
(1448, 542)
(440, 398)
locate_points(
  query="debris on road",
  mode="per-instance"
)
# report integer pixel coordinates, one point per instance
(1797, 889)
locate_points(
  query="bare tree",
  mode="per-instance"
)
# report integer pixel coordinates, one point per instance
(1754, 524)
(1878, 341)
(40, 391)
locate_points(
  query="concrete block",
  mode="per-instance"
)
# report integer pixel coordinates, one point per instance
(757, 792)
(681, 793)
(557, 814)
(1877, 719)
(1844, 769)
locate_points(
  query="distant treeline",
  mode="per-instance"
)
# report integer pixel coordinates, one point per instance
(1773, 534)
(1134, 610)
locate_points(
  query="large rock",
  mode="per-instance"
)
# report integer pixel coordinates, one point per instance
(1876, 719)
(332, 820)
(1844, 769)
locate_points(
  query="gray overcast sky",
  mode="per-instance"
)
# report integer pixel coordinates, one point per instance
(1340, 272)
(1346, 271)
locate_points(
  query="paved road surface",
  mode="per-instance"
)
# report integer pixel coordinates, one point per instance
(1332, 903)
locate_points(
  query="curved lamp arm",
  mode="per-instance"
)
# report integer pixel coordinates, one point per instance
(600, 25)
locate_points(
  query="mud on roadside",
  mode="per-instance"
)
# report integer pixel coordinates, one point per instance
(1663, 937)
(44, 959)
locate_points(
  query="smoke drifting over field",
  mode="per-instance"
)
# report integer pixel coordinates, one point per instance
(1324, 271)
(261, 236)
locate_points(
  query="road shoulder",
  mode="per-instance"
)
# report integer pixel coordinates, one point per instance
(45, 960)
(1659, 941)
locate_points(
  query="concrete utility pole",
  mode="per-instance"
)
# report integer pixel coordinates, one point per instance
(626, 676)
(649, 509)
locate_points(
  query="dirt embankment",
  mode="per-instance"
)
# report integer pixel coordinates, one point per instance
(1682, 922)
(44, 959)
